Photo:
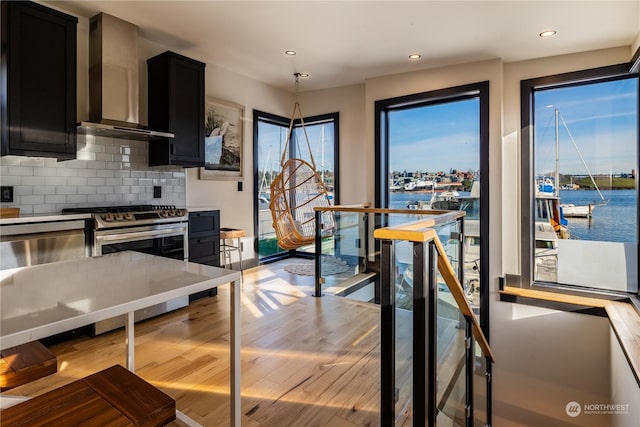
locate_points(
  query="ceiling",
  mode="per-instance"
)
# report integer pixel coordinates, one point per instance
(345, 42)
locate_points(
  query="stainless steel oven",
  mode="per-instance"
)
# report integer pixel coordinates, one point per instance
(167, 240)
(156, 230)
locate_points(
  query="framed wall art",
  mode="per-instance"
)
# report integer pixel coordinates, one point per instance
(223, 140)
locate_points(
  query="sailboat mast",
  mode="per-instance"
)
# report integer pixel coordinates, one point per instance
(263, 182)
(564, 124)
(556, 187)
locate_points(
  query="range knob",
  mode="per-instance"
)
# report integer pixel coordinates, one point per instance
(129, 216)
(164, 214)
(108, 217)
(119, 217)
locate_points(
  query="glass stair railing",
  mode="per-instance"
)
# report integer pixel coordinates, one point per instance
(435, 360)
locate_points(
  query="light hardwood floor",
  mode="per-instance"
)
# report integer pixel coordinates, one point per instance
(306, 361)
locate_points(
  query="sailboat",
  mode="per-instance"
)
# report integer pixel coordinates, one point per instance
(570, 210)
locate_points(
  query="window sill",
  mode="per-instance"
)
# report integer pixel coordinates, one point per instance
(623, 315)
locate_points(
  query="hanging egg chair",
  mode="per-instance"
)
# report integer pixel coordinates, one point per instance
(295, 192)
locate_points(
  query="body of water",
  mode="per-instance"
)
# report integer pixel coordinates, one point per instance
(617, 221)
(614, 222)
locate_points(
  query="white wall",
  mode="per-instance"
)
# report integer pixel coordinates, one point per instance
(546, 352)
(236, 207)
(348, 101)
(546, 359)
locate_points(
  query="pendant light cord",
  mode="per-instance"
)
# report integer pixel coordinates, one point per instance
(296, 107)
(297, 84)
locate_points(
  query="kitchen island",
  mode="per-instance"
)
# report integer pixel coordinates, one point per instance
(43, 300)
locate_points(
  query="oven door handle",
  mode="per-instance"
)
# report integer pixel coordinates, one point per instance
(140, 235)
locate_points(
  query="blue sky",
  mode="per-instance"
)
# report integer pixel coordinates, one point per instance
(435, 138)
(601, 118)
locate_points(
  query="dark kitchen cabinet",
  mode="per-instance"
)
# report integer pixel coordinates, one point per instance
(176, 105)
(38, 81)
(204, 242)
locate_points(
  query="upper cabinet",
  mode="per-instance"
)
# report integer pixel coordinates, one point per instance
(176, 105)
(38, 81)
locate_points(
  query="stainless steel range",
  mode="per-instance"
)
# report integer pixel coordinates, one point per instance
(152, 229)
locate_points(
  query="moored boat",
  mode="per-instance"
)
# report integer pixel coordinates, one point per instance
(569, 210)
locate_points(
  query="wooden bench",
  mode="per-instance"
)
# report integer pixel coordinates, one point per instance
(25, 363)
(112, 397)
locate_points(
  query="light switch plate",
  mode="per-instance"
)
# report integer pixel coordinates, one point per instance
(6, 194)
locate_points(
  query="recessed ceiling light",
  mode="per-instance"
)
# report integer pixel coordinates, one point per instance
(548, 33)
(290, 52)
(303, 75)
(415, 56)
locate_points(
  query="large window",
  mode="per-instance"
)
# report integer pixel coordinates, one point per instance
(270, 135)
(432, 153)
(580, 188)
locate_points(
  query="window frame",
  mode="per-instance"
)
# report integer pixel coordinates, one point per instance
(262, 116)
(527, 176)
(439, 96)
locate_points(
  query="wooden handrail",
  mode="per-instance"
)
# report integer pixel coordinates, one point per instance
(421, 231)
(624, 319)
(438, 217)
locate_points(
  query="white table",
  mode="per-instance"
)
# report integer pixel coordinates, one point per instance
(44, 300)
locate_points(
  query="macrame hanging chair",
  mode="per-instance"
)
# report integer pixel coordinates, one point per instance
(295, 192)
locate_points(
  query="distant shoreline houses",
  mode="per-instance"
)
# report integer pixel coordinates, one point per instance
(432, 181)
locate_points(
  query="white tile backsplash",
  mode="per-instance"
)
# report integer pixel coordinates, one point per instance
(94, 199)
(54, 181)
(41, 189)
(105, 189)
(32, 180)
(21, 170)
(53, 199)
(87, 173)
(107, 171)
(30, 200)
(97, 182)
(45, 171)
(77, 180)
(33, 162)
(76, 198)
(66, 171)
(66, 189)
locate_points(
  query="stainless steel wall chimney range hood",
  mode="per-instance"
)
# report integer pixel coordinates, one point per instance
(113, 81)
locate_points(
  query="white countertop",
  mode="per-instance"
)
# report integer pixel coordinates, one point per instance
(42, 300)
(27, 219)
